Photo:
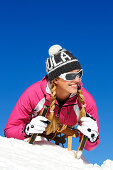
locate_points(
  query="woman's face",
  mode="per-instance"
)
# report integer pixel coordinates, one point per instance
(64, 88)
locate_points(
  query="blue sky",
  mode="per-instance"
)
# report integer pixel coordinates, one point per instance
(29, 27)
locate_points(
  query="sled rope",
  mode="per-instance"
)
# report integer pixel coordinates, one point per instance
(59, 131)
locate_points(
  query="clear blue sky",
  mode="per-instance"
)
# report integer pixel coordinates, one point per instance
(29, 27)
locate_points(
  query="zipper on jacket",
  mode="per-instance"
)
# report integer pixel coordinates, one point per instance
(59, 111)
(60, 105)
(67, 110)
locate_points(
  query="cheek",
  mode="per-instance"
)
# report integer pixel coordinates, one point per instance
(65, 85)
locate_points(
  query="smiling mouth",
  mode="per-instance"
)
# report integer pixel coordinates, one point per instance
(74, 85)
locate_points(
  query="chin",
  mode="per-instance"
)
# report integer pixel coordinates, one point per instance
(74, 91)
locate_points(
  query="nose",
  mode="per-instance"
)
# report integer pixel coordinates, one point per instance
(77, 79)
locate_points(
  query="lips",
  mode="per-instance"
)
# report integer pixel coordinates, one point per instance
(74, 85)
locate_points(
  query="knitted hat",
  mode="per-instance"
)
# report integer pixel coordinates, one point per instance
(60, 61)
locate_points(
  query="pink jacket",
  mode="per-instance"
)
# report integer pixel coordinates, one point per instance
(32, 102)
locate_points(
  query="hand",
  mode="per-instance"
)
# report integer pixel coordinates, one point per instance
(37, 125)
(89, 128)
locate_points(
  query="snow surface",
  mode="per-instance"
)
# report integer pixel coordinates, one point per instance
(20, 155)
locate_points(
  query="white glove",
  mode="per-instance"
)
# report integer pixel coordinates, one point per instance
(37, 125)
(89, 128)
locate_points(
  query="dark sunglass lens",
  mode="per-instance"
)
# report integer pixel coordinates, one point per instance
(80, 74)
(70, 76)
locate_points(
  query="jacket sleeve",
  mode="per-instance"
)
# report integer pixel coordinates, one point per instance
(21, 114)
(91, 109)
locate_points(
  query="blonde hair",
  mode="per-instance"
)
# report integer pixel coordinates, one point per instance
(81, 100)
(54, 125)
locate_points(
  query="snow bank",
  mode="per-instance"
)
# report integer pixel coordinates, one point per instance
(20, 155)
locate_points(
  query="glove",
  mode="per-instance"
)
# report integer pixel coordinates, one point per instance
(37, 125)
(89, 128)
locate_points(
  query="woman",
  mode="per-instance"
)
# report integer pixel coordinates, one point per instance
(61, 86)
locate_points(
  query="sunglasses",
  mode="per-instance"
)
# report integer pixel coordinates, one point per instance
(70, 76)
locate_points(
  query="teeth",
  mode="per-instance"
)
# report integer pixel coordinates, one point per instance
(74, 85)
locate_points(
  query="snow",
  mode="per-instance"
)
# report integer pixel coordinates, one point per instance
(20, 155)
